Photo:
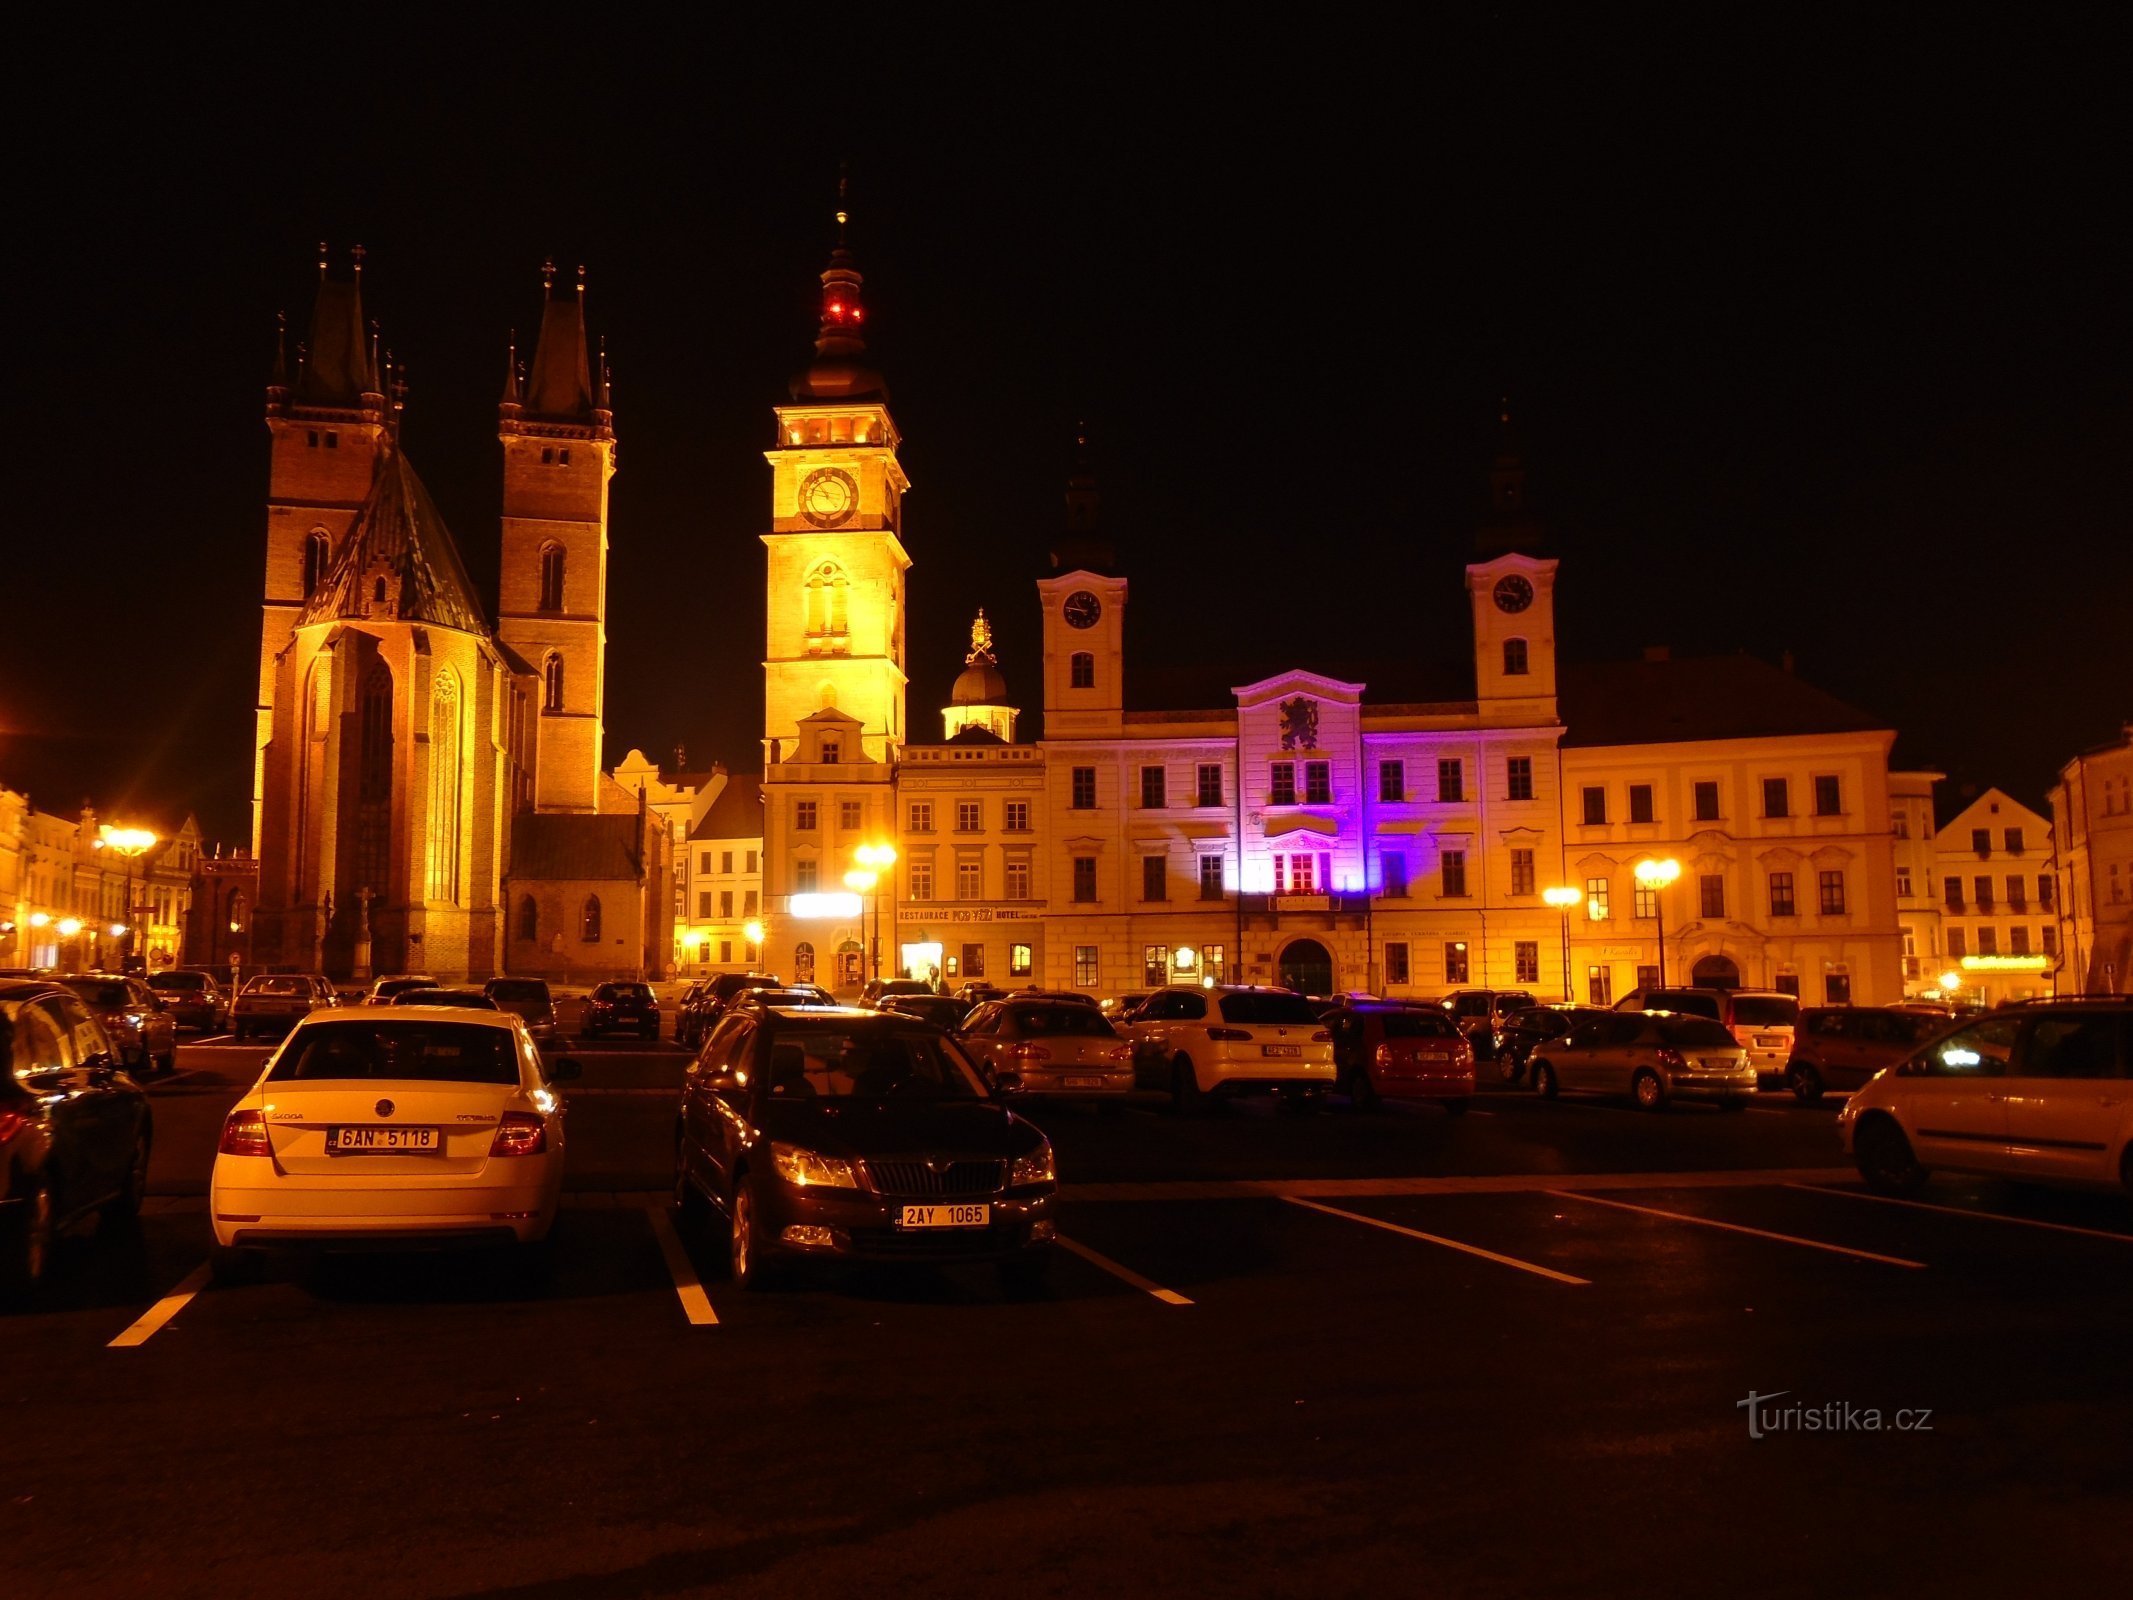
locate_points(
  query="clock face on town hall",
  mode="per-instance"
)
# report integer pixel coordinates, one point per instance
(1082, 609)
(827, 496)
(1513, 593)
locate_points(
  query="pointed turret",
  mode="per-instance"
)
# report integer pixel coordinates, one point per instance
(513, 401)
(840, 370)
(335, 372)
(1509, 522)
(278, 378)
(559, 386)
(1080, 547)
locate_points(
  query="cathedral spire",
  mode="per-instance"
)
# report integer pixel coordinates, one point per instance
(559, 386)
(1509, 523)
(513, 395)
(840, 370)
(335, 372)
(1079, 546)
(278, 375)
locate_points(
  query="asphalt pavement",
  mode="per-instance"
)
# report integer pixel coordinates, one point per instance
(1330, 1354)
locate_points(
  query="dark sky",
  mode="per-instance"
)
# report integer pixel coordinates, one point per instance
(1818, 333)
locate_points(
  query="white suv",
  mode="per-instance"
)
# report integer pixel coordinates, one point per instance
(1199, 1043)
(2039, 1092)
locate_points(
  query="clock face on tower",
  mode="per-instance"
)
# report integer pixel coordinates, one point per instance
(1513, 593)
(828, 496)
(1082, 609)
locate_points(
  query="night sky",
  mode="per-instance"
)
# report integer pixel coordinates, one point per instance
(1819, 341)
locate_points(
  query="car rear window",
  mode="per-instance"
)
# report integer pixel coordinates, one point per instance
(423, 1052)
(1765, 1010)
(444, 997)
(1514, 1002)
(519, 989)
(278, 986)
(1694, 1033)
(97, 992)
(868, 1064)
(1267, 1009)
(1416, 1025)
(630, 991)
(1684, 1000)
(177, 982)
(1081, 1021)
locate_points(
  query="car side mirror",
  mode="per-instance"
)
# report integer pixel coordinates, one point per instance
(1005, 1081)
(567, 1070)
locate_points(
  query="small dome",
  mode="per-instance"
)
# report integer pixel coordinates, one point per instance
(979, 684)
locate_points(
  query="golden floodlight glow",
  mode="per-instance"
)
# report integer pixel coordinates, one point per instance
(1951, 981)
(752, 932)
(1563, 897)
(2030, 963)
(118, 930)
(1658, 874)
(126, 841)
(69, 927)
(40, 919)
(878, 856)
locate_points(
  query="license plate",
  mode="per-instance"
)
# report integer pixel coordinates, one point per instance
(1768, 1041)
(1281, 1049)
(945, 1217)
(1084, 1083)
(380, 1141)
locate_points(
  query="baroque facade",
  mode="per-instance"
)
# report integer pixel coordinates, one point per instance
(2092, 828)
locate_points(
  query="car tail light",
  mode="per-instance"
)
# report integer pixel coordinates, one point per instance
(1384, 1056)
(1119, 1053)
(1229, 1036)
(1671, 1058)
(1030, 1052)
(1322, 1037)
(244, 1133)
(521, 1133)
(11, 1123)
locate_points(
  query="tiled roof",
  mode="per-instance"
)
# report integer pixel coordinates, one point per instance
(398, 536)
(1712, 697)
(737, 813)
(575, 845)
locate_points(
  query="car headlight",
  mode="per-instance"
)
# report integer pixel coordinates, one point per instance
(1036, 1167)
(809, 1169)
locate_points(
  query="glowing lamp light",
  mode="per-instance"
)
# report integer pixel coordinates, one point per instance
(752, 932)
(118, 930)
(69, 927)
(1951, 981)
(822, 907)
(878, 856)
(2029, 963)
(236, 927)
(1658, 874)
(1187, 958)
(40, 919)
(860, 880)
(126, 841)
(1562, 898)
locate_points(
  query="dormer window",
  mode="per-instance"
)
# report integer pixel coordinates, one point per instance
(832, 751)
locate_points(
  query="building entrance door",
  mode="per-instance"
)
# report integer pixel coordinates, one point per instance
(1306, 966)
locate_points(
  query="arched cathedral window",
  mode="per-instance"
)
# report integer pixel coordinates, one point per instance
(552, 683)
(529, 919)
(445, 760)
(551, 577)
(589, 920)
(315, 551)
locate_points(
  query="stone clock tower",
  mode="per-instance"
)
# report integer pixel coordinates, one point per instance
(1084, 601)
(834, 633)
(1512, 591)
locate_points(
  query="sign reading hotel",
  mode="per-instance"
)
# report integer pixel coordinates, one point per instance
(967, 914)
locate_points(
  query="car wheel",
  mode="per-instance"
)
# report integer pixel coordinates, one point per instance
(1026, 1274)
(1885, 1158)
(1362, 1093)
(744, 1248)
(25, 1246)
(1649, 1093)
(1544, 1083)
(125, 1206)
(1185, 1096)
(1509, 1069)
(1456, 1108)
(1804, 1082)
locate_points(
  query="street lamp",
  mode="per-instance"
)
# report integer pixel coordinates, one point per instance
(1563, 898)
(874, 860)
(752, 931)
(1655, 876)
(132, 843)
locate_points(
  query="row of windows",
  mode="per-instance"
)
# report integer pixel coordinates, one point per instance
(1316, 788)
(970, 816)
(1777, 800)
(1988, 941)
(1832, 898)
(705, 899)
(1981, 841)
(1399, 963)
(725, 862)
(1982, 898)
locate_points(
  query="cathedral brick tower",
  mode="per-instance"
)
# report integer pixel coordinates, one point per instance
(558, 435)
(326, 422)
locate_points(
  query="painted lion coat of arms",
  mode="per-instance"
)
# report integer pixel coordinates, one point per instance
(1299, 724)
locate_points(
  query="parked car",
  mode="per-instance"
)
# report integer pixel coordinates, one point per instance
(381, 991)
(1840, 1047)
(944, 1011)
(143, 1034)
(1394, 1052)
(1760, 1020)
(620, 1007)
(978, 991)
(796, 994)
(379, 1127)
(707, 1002)
(464, 999)
(1653, 1058)
(527, 999)
(75, 1128)
(2042, 1092)
(876, 988)
(849, 1134)
(1119, 1007)
(1523, 1031)
(1049, 1047)
(1201, 1043)
(1481, 1014)
(274, 1001)
(194, 998)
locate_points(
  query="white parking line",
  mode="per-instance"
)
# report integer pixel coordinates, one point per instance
(1959, 1211)
(1435, 1238)
(1169, 1297)
(150, 1321)
(695, 1304)
(1735, 1227)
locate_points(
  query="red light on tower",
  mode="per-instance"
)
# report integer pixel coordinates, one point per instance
(836, 308)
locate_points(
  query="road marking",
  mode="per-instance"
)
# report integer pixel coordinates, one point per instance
(1474, 1112)
(1959, 1211)
(695, 1304)
(1437, 1238)
(151, 1321)
(1170, 1189)
(1735, 1227)
(1169, 1297)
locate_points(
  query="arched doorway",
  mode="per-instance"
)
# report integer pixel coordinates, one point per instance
(1306, 966)
(1715, 972)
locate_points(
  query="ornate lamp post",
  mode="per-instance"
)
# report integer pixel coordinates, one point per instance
(753, 932)
(132, 843)
(1563, 898)
(1655, 876)
(875, 861)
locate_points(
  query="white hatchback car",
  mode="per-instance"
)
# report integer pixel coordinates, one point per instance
(1202, 1042)
(2041, 1092)
(381, 1127)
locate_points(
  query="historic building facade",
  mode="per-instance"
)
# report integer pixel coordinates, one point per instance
(1999, 893)
(2092, 829)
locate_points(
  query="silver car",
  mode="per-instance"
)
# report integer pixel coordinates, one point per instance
(1054, 1047)
(1654, 1058)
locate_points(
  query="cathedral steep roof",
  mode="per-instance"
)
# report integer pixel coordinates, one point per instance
(560, 382)
(398, 562)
